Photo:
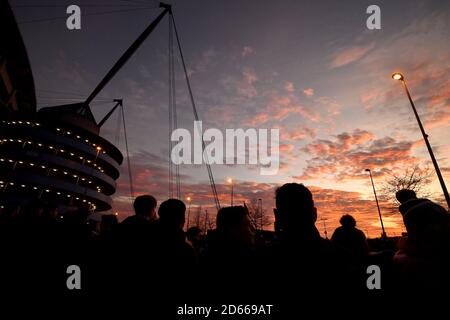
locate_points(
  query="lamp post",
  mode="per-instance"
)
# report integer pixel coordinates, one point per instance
(206, 222)
(400, 77)
(231, 182)
(325, 232)
(378, 206)
(260, 214)
(189, 212)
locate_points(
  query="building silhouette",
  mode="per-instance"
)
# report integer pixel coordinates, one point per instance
(55, 154)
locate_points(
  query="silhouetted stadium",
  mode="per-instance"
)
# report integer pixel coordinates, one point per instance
(54, 154)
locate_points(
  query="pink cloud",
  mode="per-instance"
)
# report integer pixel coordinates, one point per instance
(286, 147)
(246, 51)
(280, 107)
(309, 92)
(350, 55)
(289, 87)
(247, 85)
(348, 154)
(331, 105)
(296, 135)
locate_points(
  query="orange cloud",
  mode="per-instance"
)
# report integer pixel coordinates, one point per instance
(296, 135)
(331, 205)
(286, 147)
(348, 154)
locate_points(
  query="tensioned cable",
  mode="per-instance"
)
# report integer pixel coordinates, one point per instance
(210, 174)
(173, 102)
(128, 154)
(170, 48)
(118, 129)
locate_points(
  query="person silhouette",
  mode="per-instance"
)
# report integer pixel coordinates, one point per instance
(228, 254)
(169, 239)
(407, 199)
(133, 240)
(231, 243)
(171, 257)
(136, 230)
(194, 237)
(423, 261)
(351, 238)
(300, 259)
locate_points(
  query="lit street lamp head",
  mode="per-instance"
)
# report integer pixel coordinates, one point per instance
(188, 198)
(398, 76)
(230, 180)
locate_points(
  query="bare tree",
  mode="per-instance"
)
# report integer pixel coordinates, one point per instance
(198, 213)
(202, 218)
(257, 214)
(416, 179)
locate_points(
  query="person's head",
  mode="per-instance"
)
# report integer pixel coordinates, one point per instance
(171, 213)
(347, 221)
(233, 224)
(405, 195)
(194, 234)
(294, 207)
(145, 206)
(424, 220)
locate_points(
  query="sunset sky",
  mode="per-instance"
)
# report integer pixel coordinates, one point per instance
(310, 68)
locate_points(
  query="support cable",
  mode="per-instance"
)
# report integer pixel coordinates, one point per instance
(210, 174)
(170, 144)
(128, 154)
(174, 103)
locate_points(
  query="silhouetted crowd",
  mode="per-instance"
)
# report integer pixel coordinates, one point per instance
(150, 253)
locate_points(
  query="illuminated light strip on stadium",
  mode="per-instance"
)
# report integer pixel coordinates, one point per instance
(59, 130)
(2, 184)
(62, 150)
(44, 167)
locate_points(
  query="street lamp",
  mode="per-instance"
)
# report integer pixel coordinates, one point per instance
(231, 182)
(397, 76)
(400, 77)
(189, 212)
(378, 206)
(98, 151)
